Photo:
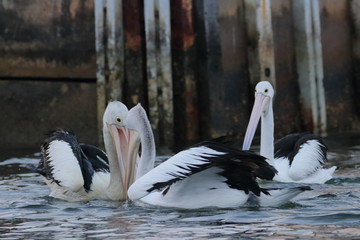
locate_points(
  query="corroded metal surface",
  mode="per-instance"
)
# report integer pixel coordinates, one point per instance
(237, 94)
(135, 62)
(260, 35)
(288, 117)
(44, 38)
(223, 85)
(309, 64)
(110, 55)
(31, 109)
(184, 74)
(209, 69)
(338, 70)
(192, 64)
(159, 74)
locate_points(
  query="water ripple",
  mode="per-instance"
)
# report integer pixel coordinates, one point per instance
(331, 210)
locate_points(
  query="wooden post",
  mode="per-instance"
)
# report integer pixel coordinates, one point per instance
(158, 53)
(336, 32)
(135, 65)
(222, 68)
(321, 126)
(235, 107)
(109, 54)
(261, 49)
(309, 63)
(115, 49)
(100, 41)
(287, 107)
(209, 69)
(183, 65)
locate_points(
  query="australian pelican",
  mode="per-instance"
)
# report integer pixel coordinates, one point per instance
(80, 172)
(297, 157)
(209, 174)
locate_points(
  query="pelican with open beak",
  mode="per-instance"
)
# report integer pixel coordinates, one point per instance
(81, 172)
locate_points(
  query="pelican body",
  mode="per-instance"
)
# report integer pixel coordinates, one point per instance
(297, 157)
(81, 172)
(208, 174)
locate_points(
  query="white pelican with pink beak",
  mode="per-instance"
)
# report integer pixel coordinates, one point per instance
(296, 157)
(208, 174)
(81, 172)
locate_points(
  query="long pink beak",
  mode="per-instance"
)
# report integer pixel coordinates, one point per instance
(120, 138)
(261, 102)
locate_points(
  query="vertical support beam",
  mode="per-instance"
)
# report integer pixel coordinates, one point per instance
(183, 65)
(210, 84)
(115, 49)
(158, 53)
(259, 32)
(135, 64)
(355, 17)
(109, 54)
(309, 63)
(321, 125)
(336, 33)
(287, 107)
(100, 41)
(235, 105)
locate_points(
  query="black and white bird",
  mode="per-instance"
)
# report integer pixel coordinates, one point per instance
(81, 172)
(209, 174)
(297, 157)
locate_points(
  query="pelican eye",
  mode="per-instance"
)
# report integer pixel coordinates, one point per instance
(118, 120)
(266, 90)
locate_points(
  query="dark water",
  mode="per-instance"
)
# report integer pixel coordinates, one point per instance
(330, 211)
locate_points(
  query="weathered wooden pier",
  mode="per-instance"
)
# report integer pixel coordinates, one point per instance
(193, 65)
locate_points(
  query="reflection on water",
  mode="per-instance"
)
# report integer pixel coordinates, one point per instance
(331, 210)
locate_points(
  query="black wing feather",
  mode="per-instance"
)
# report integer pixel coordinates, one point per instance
(96, 156)
(85, 154)
(240, 168)
(289, 145)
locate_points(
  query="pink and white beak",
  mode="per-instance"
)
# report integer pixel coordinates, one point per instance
(260, 107)
(124, 140)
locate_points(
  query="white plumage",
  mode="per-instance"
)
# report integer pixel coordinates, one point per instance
(65, 167)
(175, 167)
(209, 174)
(298, 157)
(81, 172)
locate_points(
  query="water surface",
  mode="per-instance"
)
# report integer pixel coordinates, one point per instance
(330, 211)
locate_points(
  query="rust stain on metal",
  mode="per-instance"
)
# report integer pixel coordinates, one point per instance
(134, 37)
(133, 24)
(183, 34)
(184, 84)
(191, 109)
(133, 41)
(335, 9)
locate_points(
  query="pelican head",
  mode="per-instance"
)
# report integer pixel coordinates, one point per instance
(115, 114)
(117, 140)
(114, 122)
(264, 93)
